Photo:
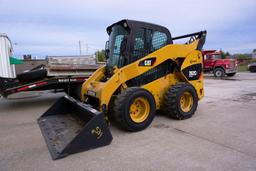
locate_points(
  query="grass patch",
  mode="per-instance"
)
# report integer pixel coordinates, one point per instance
(242, 68)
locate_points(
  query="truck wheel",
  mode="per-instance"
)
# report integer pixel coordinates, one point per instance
(231, 74)
(134, 109)
(180, 101)
(219, 72)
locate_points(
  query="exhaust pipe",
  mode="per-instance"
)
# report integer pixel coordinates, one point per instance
(70, 126)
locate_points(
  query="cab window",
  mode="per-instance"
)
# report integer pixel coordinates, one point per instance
(159, 39)
(139, 48)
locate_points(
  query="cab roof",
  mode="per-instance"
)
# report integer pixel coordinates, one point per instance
(134, 23)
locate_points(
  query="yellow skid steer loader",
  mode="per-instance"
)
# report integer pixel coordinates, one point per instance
(144, 72)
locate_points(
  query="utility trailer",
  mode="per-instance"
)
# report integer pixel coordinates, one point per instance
(59, 75)
(56, 84)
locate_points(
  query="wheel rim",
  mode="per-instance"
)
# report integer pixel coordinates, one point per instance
(186, 101)
(218, 73)
(139, 110)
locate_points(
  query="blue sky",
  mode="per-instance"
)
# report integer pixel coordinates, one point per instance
(54, 27)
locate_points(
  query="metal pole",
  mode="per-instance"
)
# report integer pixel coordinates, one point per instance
(80, 48)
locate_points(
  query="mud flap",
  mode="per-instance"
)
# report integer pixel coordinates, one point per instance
(70, 126)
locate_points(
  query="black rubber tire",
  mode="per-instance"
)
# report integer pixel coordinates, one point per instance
(32, 75)
(2, 84)
(252, 69)
(231, 74)
(219, 72)
(171, 104)
(122, 107)
(6, 83)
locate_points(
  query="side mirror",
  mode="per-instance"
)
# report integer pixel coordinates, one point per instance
(107, 50)
(123, 46)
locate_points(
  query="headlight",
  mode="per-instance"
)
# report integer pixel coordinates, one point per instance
(91, 93)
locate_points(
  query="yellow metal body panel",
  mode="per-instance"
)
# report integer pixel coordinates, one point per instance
(195, 57)
(160, 86)
(104, 90)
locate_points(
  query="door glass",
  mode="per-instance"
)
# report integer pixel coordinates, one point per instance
(115, 40)
(139, 49)
(159, 39)
(216, 56)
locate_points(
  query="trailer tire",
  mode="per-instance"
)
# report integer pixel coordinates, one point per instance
(32, 75)
(219, 72)
(134, 109)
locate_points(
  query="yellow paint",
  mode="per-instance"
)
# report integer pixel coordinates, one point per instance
(159, 87)
(139, 110)
(97, 132)
(195, 57)
(186, 101)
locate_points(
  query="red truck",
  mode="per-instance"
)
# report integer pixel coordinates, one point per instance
(213, 63)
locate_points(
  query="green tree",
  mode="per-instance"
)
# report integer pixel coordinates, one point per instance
(227, 54)
(100, 56)
(243, 56)
(224, 54)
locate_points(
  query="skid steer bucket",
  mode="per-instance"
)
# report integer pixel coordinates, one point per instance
(70, 127)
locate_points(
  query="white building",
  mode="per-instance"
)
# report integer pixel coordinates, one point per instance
(6, 69)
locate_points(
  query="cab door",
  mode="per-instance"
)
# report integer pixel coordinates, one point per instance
(139, 46)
